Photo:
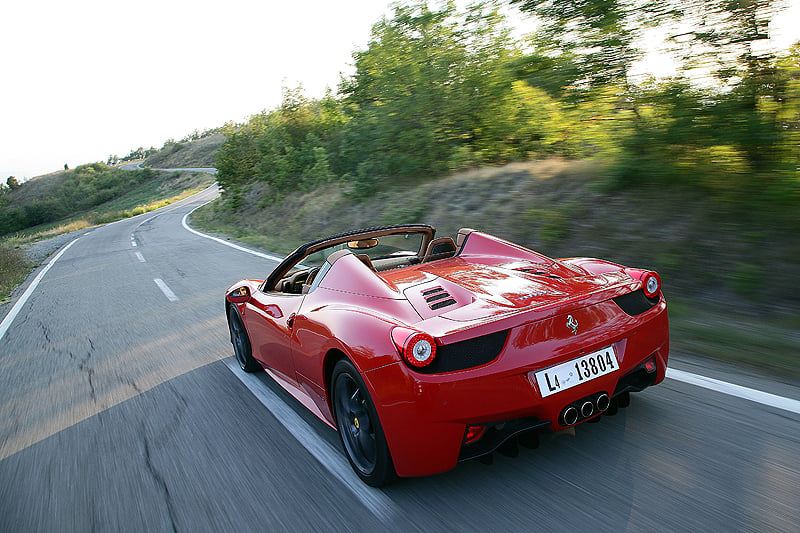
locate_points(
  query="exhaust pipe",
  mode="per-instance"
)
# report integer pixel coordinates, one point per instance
(569, 415)
(603, 401)
(586, 408)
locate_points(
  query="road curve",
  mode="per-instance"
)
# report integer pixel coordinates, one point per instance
(120, 409)
(138, 166)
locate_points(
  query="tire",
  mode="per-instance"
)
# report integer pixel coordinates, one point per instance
(359, 427)
(241, 342)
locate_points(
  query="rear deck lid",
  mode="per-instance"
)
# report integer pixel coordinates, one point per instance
(462, 290)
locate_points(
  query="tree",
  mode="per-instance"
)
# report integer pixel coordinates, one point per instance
(723, 36)
(427, 87)
(12, 183)
(588, 43)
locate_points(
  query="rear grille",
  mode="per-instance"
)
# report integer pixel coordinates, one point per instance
(437, 298)
(466, 354)
(635, 303)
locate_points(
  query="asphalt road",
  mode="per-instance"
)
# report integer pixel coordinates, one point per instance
(121, 410)
(138, 166)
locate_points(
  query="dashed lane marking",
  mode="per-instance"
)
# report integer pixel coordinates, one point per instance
(166, 290)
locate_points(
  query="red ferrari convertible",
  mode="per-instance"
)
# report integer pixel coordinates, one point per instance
(423, 351)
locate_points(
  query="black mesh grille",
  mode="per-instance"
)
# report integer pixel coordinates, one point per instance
(466, 354)
(635, 303)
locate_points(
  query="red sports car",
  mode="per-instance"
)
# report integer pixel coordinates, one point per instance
(423, 351)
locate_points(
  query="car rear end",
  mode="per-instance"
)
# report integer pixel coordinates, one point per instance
(495, 377)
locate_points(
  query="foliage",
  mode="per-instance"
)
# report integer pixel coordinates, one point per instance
(429, 84)
(738, 143)
(589, 43)
(288, 148)
(438, 89)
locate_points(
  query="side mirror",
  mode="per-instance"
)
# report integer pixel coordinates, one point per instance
(239, 295)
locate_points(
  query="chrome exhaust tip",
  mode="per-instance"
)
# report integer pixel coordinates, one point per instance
(569, 415)
(587, 409)
(603, 401)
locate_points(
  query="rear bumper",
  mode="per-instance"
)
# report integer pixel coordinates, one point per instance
(425, 417)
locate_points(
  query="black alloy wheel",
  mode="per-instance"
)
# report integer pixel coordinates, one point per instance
(359, 426)
(241, 342)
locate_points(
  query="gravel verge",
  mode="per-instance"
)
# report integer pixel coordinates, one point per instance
(37, 252)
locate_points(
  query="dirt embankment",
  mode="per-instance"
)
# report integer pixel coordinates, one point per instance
(199, 153)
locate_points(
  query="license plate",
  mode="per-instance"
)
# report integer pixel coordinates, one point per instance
(572, 373)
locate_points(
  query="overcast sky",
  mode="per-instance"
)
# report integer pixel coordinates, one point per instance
(84, 79)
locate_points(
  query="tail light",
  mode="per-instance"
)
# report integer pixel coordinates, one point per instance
(417, 348)
(651, 284)
(651, 281)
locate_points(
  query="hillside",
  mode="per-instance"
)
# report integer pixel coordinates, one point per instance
(717, 260)
(198, 153)
(555, 206)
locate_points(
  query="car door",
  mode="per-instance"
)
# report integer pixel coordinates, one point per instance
(269, 318)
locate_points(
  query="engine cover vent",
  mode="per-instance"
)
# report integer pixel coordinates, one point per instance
(437, 298)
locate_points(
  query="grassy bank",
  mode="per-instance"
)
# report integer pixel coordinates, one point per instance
(13, 269)
(715, 258)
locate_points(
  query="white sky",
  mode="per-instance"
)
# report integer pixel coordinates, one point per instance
(83, 79)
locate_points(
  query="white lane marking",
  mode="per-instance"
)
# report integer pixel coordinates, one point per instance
(375, 500)
(166, 290)
(133, 241)
(140, 257)
(764, 398)
(236, 246)
(6, 323)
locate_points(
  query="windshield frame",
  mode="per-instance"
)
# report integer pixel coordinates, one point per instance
(296, 258)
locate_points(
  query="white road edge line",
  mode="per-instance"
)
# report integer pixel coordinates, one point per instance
(6, 323)
(166, 290)
(764, 398)
(375, 500)
(236, 246)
